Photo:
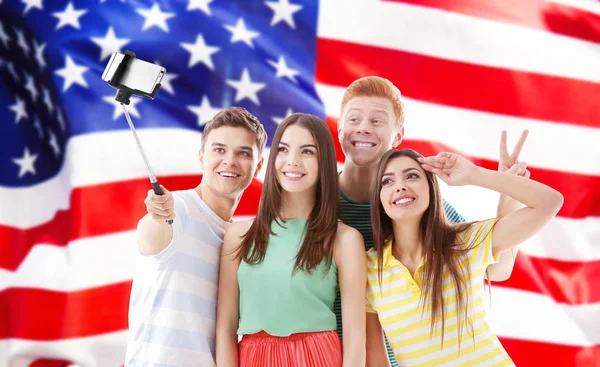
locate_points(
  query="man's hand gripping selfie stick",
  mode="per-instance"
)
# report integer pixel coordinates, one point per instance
(123, 95)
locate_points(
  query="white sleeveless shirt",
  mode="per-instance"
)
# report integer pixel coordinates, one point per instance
(173, 304)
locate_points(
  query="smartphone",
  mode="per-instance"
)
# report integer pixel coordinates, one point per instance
(139, 75)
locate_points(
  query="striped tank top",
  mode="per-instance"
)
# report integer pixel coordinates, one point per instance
(173, 302)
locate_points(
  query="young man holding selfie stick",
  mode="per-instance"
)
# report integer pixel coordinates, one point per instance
(172, 307)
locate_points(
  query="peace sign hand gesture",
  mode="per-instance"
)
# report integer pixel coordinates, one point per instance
(510, 162)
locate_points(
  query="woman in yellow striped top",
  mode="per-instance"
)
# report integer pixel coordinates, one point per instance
(425, 279)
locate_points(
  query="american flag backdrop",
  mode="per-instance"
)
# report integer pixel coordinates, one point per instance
(72, 183)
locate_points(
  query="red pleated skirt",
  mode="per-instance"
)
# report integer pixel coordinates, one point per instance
(319, 349)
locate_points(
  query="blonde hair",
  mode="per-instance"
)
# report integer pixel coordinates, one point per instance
(375, 86)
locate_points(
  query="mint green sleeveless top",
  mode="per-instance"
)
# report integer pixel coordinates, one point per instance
(279, 302)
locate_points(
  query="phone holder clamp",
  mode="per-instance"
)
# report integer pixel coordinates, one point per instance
(124, 93)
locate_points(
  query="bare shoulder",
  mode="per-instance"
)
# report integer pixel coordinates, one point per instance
(234, 233)
(348, 238)
(349, 248)
(345, 232)
(240, 227)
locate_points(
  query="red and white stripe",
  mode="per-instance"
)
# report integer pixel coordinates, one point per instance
(467, 70)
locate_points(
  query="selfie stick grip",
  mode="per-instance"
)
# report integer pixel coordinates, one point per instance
(159, 191)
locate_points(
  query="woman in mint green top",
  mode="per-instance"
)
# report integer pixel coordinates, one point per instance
(279, 272)
(266, 289)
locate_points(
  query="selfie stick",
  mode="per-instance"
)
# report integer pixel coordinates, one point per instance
(123, 95)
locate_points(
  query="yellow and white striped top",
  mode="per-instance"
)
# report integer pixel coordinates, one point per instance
(406, 318)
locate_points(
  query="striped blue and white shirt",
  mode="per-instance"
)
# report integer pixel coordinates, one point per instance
(173, 304)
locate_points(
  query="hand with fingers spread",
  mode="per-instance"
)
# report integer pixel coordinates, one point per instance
(451, 168)
(160, 207)
(510, 162)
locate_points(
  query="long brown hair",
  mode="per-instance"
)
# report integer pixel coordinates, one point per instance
(322, 223)
(439, 237)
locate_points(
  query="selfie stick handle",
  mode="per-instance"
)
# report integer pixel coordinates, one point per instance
(155, 185)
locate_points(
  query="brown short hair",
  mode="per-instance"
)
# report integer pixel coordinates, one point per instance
(237, 117)
(375, 86)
